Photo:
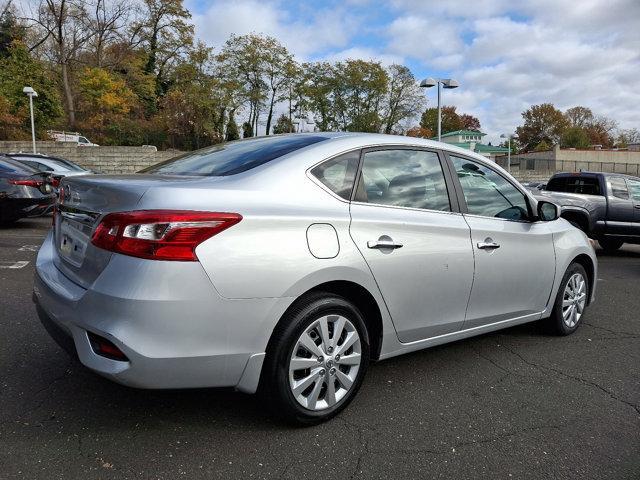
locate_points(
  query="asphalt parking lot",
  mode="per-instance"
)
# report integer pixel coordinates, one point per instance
(514, 404)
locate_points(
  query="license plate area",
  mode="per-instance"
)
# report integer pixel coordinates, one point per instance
(73, 239)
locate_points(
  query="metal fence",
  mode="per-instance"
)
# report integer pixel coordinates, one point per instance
(535, 165)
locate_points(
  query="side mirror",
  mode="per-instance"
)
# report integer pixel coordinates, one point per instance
(547, 211)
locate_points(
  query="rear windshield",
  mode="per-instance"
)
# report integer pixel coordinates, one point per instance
(9, 165)
(61, 162)
(233, 157)
(583, 185)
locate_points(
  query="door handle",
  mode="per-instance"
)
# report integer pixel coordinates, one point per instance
(637, 205)
(488, 245)
(383, 244)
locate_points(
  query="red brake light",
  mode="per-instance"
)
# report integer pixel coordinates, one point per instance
(160, 234)
(28, 182)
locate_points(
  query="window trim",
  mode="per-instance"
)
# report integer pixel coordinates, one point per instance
(464, 209)
(453, 201)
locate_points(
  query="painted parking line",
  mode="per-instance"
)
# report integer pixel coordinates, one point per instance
(14, 265)
(29, 248)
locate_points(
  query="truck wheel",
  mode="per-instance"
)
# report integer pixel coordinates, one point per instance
(609, 244)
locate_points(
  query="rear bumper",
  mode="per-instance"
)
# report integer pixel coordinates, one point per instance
(176, 331)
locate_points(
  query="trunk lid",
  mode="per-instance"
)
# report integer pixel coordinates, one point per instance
(83, 202)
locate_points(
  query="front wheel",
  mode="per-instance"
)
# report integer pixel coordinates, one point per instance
(571, 301)
(316, 360)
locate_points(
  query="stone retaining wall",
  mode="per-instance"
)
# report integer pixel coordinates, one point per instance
(98, 159)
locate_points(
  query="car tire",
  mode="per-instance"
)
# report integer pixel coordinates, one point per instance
(571, 302)
(315, 392)
(610, 244)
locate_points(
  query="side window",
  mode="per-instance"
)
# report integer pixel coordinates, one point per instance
(489, 194)
(619, 187)
(583, 185)
(339, 173)
(634, 189)
(404, 178)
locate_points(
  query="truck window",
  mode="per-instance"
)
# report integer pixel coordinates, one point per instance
(634, 188)
(618, 187)
(583, 185)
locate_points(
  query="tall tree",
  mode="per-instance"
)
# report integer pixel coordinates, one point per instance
(107, 20)
(63, 31)
(450, 119)
(403, 99)
(166, 33)
(359, 87)
(317, 91)
(579, 117)
(469, 122)
(542, 123)
(244, 56)
(278, 65)
(17, 69)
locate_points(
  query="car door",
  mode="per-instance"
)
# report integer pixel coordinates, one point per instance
(514, 255)
(621, 213)
(634, 192)
(416, 244)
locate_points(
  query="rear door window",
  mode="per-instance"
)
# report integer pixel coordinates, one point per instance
(233, 157)
(619, 187)
(634, 189)
(339, 173)
(404, 178)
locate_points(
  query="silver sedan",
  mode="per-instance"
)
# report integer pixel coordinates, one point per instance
(288, 263)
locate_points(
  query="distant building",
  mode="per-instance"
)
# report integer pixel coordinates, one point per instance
(472, 140)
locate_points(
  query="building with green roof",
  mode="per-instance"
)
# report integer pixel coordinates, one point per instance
(472, 140)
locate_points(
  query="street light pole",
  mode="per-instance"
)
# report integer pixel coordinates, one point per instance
(31, 93)
(508, 137)
(440, 83)
(439, 112)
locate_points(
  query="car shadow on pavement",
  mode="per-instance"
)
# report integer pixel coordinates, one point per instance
(77, 393)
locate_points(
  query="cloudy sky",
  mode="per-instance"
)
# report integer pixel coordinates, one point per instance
(506, 54)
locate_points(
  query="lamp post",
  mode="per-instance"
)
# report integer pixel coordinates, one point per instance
(439, 82)
(508, 137)
(31, 93)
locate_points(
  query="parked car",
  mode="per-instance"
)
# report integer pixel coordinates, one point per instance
(55, 166)
(290, 262)
(24, 191)
(76, 137)
(606, 206)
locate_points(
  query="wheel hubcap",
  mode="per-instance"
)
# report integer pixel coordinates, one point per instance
(574, 300)
(325, 362)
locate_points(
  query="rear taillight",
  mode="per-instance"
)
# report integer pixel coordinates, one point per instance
(28, 182)
(160, 234)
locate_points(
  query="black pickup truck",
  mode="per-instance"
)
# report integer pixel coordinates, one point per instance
(606, 206)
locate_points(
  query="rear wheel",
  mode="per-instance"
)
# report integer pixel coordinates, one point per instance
(610, 244)
(316, 360)
(571, 301)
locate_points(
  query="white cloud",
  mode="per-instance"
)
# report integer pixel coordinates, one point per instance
(507, 55)
(327, 29)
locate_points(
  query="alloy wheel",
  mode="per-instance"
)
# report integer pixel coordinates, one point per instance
(325, 362)
(574, 300)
